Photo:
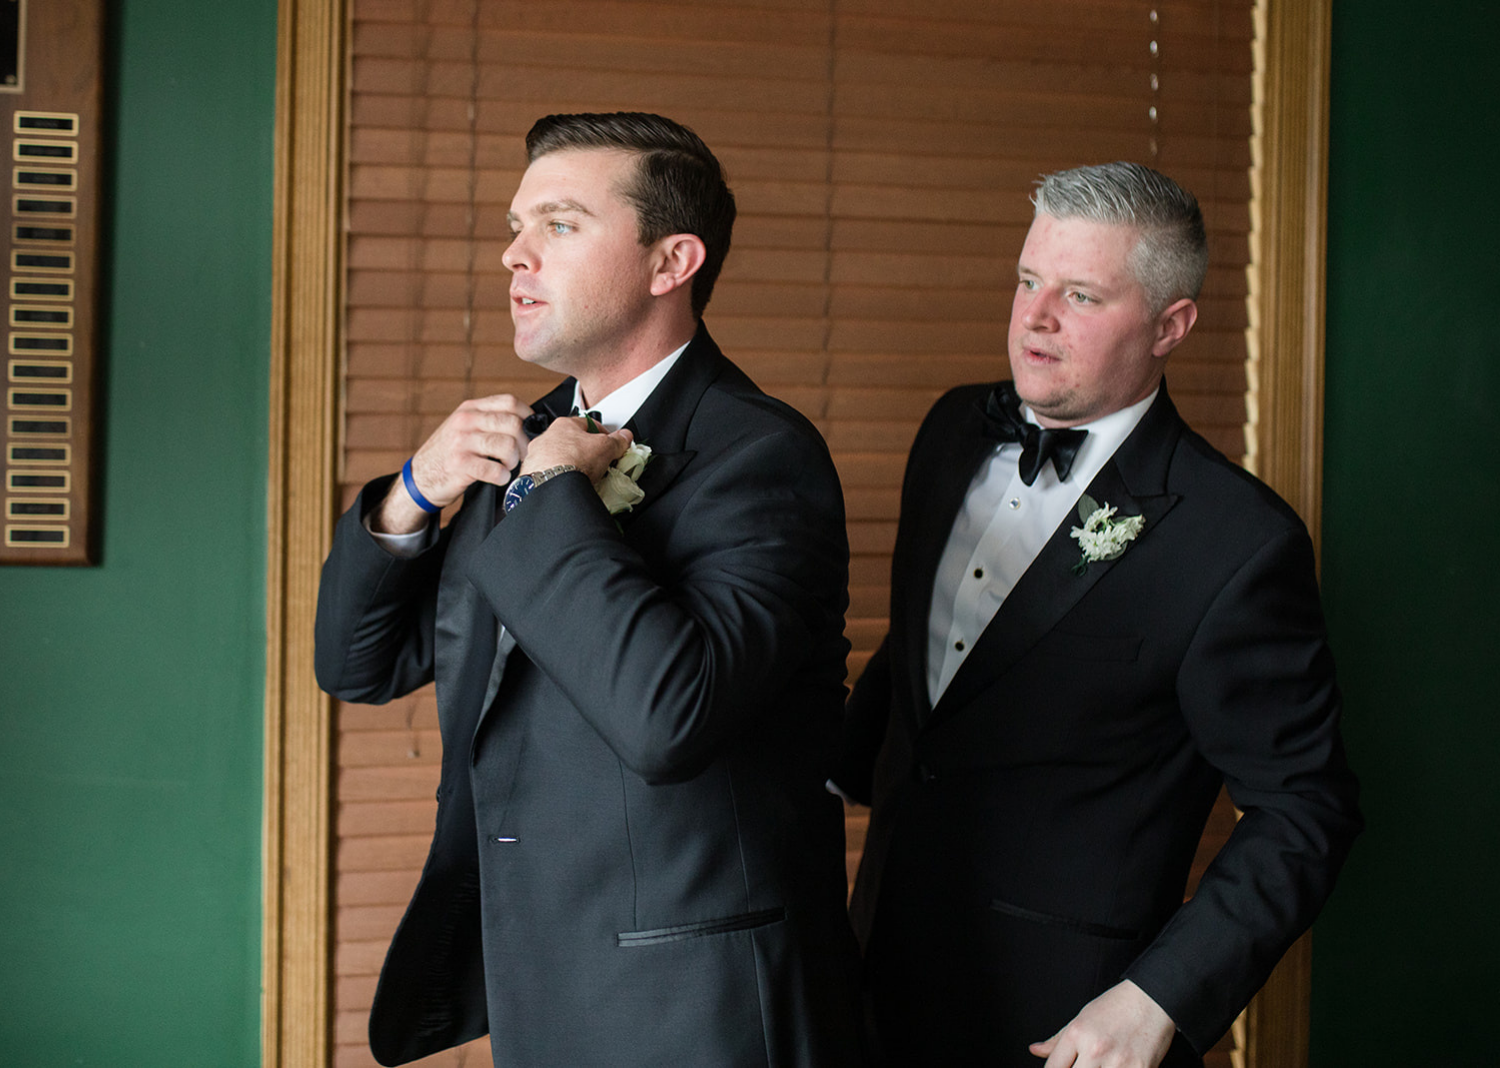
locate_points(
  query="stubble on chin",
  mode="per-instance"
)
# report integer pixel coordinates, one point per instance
(539, 351)
(1055, 403)
(1032, 387)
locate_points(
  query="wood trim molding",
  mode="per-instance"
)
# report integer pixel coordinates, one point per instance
(1285, 435)
(306, 253)
(1287, 284)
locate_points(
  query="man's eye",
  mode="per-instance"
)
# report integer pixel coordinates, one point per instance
(1028, 284)
(1081, 298)
(560, 227)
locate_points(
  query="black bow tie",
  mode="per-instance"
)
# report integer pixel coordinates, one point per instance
(538, 421)
(1003, 423)
(591, 413)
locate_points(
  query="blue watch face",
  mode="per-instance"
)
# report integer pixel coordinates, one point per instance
(518, 491)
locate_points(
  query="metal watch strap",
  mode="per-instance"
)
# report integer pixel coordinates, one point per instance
(538, 477)
(522, 486)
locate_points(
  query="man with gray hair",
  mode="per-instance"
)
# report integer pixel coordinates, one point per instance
(1096, 620)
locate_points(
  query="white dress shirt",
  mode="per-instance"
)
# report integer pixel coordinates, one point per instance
(620, 407)
(999, 531)
(615, 411)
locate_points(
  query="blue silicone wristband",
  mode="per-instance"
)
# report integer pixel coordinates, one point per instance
(416, 494)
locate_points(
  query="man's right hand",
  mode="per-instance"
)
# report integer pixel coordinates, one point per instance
(482, 441)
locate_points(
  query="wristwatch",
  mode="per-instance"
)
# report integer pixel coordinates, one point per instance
(524, 484)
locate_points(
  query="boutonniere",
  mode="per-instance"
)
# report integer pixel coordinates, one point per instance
(618, 489)
(1102, 536)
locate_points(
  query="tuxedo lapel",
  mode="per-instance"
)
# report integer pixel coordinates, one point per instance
(1134, 483)
(470, 632)
(663, 420)
(465, 661)
(465, 628)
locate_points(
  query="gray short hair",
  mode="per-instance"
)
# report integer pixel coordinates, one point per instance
(1171, 258)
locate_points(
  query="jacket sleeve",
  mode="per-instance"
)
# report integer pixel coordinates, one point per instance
(1257, 691)
(373, 639)
(866, 716)
(670, 660)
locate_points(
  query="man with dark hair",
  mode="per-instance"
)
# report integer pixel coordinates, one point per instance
(1096, 620)
(635, 623)
(677, 186)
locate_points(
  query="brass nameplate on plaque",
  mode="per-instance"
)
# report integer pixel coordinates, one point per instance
(41, 289)
(45, 315)
(38, 509)
(38, 207)
(59, 372)
(23, 481)
(30, 426)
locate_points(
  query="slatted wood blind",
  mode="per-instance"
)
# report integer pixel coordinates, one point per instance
(881, 152)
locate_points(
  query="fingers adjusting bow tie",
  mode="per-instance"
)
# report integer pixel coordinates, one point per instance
(1003, 423)
(538, 421)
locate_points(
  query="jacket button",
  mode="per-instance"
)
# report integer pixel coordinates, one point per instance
(922, 773)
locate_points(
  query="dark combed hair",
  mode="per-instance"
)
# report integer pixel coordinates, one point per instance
(679, 187)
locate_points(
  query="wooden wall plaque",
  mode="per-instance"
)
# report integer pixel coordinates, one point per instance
(50, 57)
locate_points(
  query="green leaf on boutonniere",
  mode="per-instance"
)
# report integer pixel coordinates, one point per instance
(1087, 506)
(590, 425)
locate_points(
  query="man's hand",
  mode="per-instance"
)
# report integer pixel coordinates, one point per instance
(569, 441)
(482, 441)
(1121, 1028)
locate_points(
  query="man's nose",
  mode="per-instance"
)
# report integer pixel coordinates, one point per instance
(516, 255)
(1040, 310)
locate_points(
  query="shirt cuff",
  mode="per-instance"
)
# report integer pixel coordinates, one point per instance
(833, 788)
(404, 546)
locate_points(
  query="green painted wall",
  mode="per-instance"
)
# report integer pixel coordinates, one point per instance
(131, 693)
(1404, 958)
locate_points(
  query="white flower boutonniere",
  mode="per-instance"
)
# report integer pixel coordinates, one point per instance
(1102, 536)
(618, 489)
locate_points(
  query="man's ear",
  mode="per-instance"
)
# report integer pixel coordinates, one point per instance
(1173, 324)
(675, 259)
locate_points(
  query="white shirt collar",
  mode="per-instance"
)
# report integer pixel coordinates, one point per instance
(620, 407)
(1106, 434)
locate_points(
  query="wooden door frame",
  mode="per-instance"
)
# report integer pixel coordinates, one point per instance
(1289, 212)
(1284, 446)
(306, 346)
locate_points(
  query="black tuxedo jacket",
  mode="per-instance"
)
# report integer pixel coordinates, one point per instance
(635, 860)
(1031, 834)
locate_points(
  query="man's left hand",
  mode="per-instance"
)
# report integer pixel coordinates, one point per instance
(569, 441)
(1121, 1028)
